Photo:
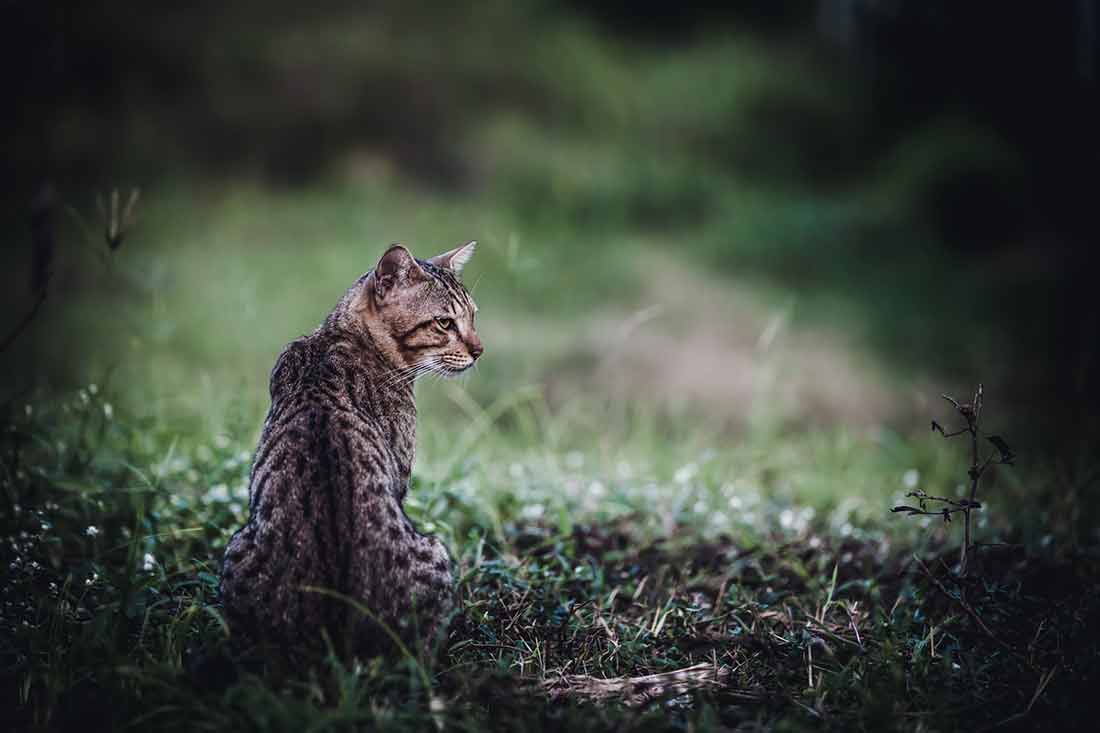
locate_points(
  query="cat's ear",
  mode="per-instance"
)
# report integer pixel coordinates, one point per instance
(396, 268)
(456, 259)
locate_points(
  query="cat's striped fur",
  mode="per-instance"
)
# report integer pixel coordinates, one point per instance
(333, 463)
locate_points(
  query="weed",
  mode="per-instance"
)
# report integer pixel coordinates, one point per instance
(971, 412)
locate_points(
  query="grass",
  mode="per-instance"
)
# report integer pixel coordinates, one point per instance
(575, 560)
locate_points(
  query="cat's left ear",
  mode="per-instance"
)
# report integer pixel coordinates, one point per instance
(456, 259)
(397, 269)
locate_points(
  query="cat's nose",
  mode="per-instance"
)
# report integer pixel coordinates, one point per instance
(475, 347)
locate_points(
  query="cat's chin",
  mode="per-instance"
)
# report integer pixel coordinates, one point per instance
(451, 373)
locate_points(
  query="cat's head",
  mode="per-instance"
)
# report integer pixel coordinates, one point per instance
(419, 313)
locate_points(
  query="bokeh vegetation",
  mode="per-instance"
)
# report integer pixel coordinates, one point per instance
(720, 296)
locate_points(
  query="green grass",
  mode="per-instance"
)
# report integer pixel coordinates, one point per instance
(584, 548)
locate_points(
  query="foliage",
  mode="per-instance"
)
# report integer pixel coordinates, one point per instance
(571, 572)
(971, 412)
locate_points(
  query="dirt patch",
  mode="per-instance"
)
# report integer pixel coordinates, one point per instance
(698, 342)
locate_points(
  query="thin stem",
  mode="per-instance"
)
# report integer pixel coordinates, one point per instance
(22, 325)
(975, 475)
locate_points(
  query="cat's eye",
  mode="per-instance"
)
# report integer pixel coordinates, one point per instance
(445, 323)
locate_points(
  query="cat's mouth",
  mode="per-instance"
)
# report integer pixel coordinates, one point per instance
(450, 366)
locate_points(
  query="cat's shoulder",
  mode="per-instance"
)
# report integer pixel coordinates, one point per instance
(292, 363)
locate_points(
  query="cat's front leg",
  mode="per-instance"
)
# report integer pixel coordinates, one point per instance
(432, 591)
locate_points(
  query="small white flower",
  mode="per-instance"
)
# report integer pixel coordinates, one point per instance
(910, 478)
(221, 441)
(217, 492)
(149, 562)
(533, 511)
(685, 473)
(91, 530)
(596, 488)
(93, 388)
(108, 411)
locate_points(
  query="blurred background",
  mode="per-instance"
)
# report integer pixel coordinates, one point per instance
(786, 215)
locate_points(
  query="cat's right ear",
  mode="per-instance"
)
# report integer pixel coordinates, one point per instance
(396, 268)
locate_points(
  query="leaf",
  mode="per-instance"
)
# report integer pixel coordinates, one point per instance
(906, 508)
(1007, 456)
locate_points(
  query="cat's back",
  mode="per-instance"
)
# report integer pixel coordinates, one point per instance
(318, 461)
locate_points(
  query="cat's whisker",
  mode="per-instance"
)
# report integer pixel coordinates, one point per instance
(405, 375)
(476, 282)
(398, 376)
(419, 369)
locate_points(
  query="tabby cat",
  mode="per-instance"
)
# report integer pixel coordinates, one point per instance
(332, 468)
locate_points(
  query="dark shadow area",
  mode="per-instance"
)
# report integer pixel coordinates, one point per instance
(975, 125)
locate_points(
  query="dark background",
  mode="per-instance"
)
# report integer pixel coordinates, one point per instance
(105, 92)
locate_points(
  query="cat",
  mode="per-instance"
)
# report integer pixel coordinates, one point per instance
(327, 548)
